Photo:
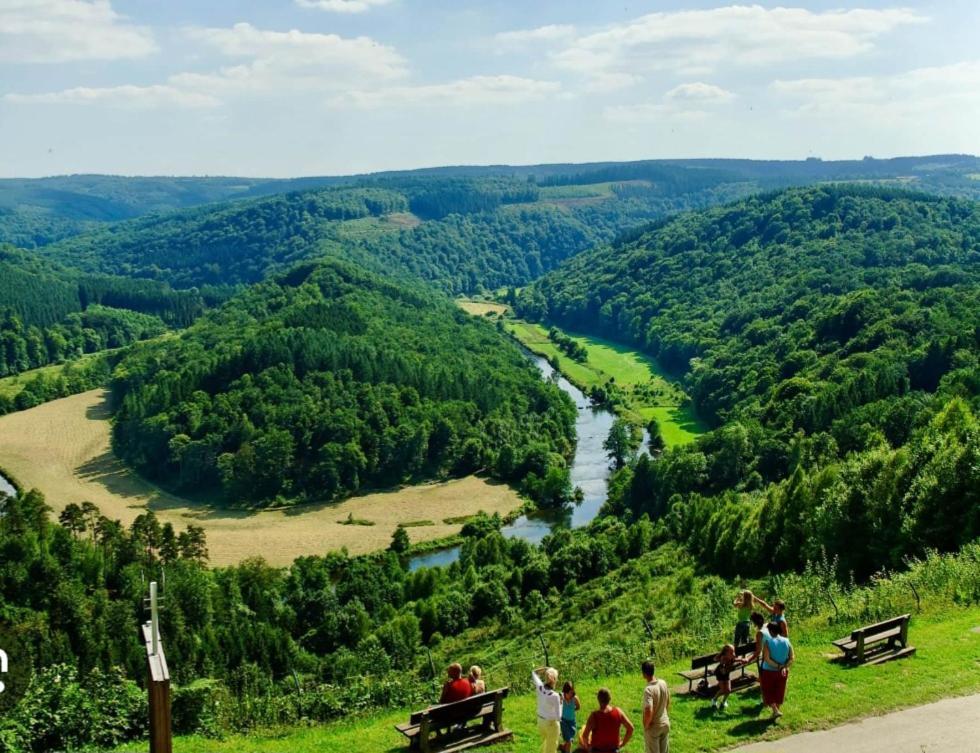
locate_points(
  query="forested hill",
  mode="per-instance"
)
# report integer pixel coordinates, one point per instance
(462, 235)
(820, 327)
(329, 379)
(49, 314)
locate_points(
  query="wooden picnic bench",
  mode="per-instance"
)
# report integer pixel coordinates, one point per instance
(702, 671)
(881, 642)
(449, 721)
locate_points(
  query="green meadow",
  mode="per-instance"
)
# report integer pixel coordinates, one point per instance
(822, 693)
(648, 391)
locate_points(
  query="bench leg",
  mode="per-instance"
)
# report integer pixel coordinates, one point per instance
(423, 736)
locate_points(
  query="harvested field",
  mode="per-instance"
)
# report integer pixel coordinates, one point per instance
(62, 448)
(480, 308)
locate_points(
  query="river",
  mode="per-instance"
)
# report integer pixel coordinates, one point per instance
(589, 472)
(7, 488)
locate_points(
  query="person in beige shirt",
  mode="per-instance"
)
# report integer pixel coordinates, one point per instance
(656, 704)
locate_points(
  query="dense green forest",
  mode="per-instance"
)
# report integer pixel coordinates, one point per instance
(832, 334)
(463, 235)
(36, 212)
(329, 379)
(50, 314)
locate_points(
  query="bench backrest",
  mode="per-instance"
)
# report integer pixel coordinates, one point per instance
(880, 627)
(459, 711)
(700, 662)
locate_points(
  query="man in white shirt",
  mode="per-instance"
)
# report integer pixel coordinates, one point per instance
(549, 707)
(656, 703)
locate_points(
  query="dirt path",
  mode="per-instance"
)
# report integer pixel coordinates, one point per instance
(62, 448)
(950, 726)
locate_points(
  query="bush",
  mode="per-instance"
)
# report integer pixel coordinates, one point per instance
(203, 707)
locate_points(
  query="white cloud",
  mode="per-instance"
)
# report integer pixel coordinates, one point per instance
(271, 63)
(342, 6)
(59, 31)
(499, 90)
(699, 41)
(937, 95)
(684, 102)
(699, 93)
(293, 60)
(522, 37)
(127, 96)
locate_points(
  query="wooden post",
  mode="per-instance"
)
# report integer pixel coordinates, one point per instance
(157, 681)
(859, 649)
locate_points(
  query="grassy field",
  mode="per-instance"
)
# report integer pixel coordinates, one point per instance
(12, 385)
(648, 391)
(821, 693)
(62, 448)
(481, 308)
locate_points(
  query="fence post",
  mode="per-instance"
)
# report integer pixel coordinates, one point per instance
(158, 681)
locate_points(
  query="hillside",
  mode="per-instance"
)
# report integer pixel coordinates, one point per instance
(329, 379)
(50, 314)
(824, 330)
(462, 235)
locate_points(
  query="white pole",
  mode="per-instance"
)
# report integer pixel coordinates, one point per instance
(154, 623)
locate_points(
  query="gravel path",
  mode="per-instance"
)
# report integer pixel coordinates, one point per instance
(950, 726)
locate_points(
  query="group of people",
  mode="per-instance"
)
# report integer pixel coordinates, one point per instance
(773, 651)
(608, 728)
(458, 688)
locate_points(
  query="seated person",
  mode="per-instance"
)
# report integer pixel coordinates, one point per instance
(476, 680)
(457, 687)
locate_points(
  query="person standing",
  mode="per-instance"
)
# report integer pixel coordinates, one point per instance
(601, 733)
(656, 704)
(549, 707)
(743, 609)
(777, 658)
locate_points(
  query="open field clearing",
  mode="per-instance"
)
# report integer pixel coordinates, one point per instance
(821, 694)
(480, 308)
(62, 448)
(12, 385)
(649, 393)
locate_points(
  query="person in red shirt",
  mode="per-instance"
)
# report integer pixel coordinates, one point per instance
(457, 687)
(601, 733)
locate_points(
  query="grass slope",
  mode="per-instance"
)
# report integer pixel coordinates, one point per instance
(822, 693)
(649, 391)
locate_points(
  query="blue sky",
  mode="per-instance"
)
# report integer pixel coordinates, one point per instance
(314, 87)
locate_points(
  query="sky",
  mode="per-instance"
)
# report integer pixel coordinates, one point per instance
(278, 88)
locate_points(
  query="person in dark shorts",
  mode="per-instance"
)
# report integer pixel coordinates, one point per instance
(727, 662)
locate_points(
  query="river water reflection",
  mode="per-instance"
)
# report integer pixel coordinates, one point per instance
(589, 472)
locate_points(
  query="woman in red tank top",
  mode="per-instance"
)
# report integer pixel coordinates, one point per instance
(601, 733)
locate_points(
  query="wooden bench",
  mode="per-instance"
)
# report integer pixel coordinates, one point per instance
(881, 642)
(449, 722)
(702, 671)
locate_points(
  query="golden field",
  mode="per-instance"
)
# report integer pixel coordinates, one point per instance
(63, 449)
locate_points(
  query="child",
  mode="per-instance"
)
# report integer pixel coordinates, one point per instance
(743, 604)
(478, 685)
(569, 706)
(726, 663)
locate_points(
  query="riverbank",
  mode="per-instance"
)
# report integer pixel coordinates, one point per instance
(645, 389)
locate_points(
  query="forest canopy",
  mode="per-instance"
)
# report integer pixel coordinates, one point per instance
(329, 379)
